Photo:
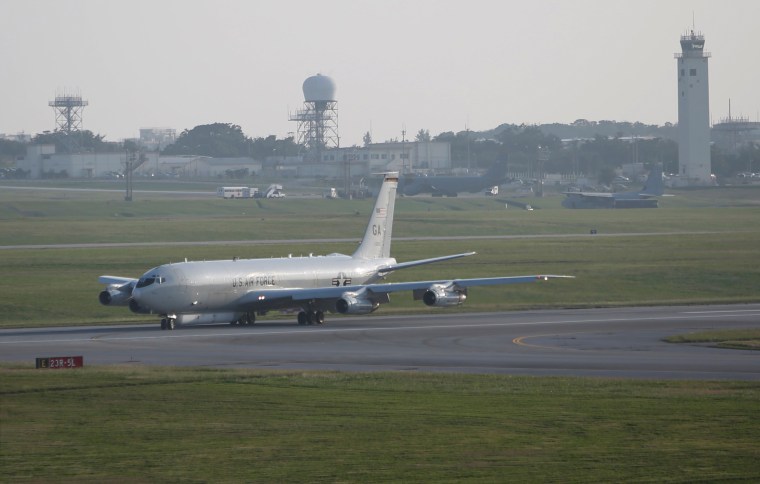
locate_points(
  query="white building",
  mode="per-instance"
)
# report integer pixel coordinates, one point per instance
(418, 156)
(207, 167)
(157, 138)
(694, 162)
(41, 161)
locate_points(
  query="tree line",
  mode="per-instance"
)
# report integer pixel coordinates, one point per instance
(589, 147)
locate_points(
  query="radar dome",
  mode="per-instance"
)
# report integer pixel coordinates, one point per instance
(318, 88)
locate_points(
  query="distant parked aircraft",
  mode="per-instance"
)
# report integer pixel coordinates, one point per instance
(645, 198)
(235, 290)
(450, 186)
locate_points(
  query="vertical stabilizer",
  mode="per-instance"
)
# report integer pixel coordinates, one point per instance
(654, 186)
(376, 243)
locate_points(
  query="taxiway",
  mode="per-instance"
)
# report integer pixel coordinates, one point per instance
(619, 342)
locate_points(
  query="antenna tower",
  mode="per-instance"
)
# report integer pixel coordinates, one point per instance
(68, 109)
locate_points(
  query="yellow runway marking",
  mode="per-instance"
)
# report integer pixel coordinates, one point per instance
(520, 341)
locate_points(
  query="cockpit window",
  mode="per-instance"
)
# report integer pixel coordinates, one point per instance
(147, 281)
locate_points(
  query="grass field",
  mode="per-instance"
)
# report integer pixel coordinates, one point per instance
(131, 423)
(696, 253)
(158, 425)
(743, 339)
(33, 217)
(59, 286)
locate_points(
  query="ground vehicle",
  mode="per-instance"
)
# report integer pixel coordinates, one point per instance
(236, 192)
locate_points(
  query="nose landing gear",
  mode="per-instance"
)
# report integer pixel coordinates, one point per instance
(168, 323)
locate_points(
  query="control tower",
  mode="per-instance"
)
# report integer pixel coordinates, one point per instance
(318, 120)
(694, 162)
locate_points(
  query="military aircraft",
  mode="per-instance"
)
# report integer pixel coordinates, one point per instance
(653, 187)
(236, 290)
(450, 186)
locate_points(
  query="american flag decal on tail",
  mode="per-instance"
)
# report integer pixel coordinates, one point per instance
(381, 212)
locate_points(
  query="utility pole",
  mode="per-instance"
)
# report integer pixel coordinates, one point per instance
(128, 169)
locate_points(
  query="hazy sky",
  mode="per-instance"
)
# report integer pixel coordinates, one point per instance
(436, 65)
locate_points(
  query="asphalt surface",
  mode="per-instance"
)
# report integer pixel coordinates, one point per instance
(622, 342)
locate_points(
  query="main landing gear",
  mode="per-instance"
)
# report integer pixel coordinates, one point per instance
(311, 317)
(245, 320)
(168, 323)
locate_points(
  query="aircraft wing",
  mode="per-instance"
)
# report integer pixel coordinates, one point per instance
(459, 283)
(335, 292)
(590, 194)
(115, 280)
(651, 195)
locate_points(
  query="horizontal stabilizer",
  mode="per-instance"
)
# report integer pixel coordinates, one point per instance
(414, 263)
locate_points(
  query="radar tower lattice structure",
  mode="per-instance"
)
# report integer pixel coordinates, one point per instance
(68, 109)
(318, 119)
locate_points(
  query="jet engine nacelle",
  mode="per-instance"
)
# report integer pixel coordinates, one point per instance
(350, 303)
(113, 298)
(439, 296)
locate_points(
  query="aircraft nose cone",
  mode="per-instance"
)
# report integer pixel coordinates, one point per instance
(134, 306)
(137, 303)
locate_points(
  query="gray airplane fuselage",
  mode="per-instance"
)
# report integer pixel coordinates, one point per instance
(201, 287)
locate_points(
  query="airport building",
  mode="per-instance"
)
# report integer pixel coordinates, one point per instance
(41, 161)
(694, 164)
(403, 157)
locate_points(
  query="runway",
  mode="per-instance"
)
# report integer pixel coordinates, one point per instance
(620, 342)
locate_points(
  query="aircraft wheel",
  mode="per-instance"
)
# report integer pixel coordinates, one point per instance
(170, 324)
(251, 318)
(163, 324)
(319, 317)
(309, 317)
(302, 318)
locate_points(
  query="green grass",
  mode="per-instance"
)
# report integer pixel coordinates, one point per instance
(59, 286)
(701, 253)
(744, 339)
(132, 423)
(39, 217)
(146, 424)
